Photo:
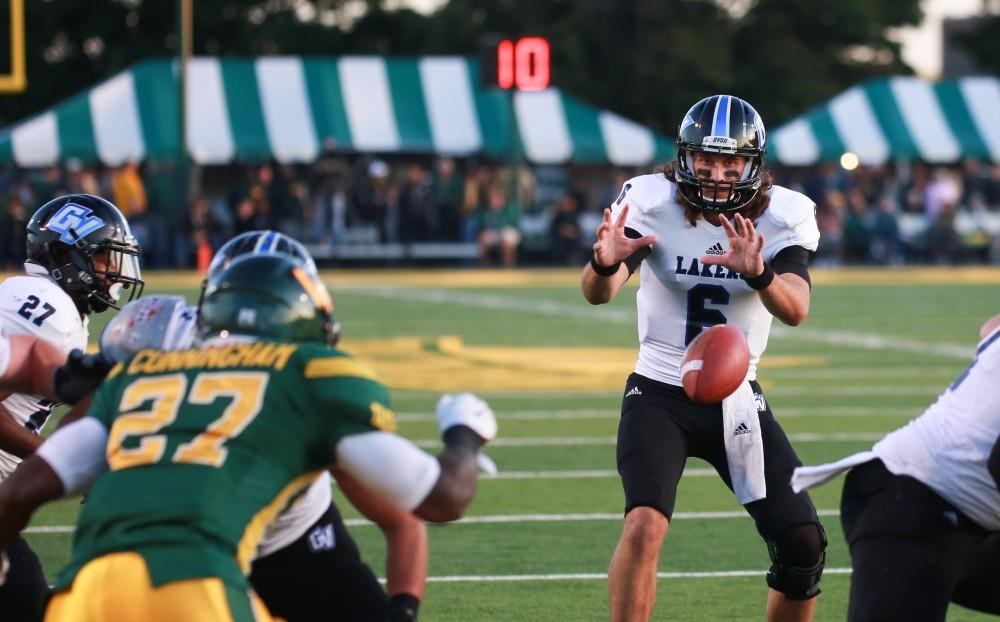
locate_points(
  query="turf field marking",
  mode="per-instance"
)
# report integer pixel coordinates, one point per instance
(590, 413)
(594, 576)
(563, 441)
(494, 302)
(504, 518)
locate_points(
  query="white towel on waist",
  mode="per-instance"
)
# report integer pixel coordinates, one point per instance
(744, 445)
(806, 477)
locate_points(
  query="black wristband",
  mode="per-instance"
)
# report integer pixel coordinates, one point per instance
(762, 281)
(604, 270)
(403, 608)
(462, 436)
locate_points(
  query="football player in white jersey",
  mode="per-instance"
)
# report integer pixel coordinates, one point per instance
(921, 509)
(718, 244)
(308, 566)
(81, 256)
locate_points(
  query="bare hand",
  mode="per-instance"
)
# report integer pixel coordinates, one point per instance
(612, 244)
(743, 256)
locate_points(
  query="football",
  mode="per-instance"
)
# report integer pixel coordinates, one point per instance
(715, 364)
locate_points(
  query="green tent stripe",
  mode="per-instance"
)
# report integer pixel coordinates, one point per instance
(883, 104)
(76, 130)
(666, 150)
(245, 114)
(495, 116)
(584, 132)
(408, 105)
(327, 102)
(6, 149)
(155, 83)
(959, 119)
(831, 146)
(156, 93)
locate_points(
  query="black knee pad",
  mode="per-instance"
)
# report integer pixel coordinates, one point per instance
(798, 556)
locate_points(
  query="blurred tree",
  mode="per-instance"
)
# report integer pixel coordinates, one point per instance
(651, 59)
(981, 43)
(646, 59)
(794, 54)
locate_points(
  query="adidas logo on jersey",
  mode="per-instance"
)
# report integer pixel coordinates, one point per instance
(716, 250)
(633, 391)
(742, 428)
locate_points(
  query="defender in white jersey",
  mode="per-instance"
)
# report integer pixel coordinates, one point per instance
(921, 509)
(81, 255)
(719, 244)
(308, 567)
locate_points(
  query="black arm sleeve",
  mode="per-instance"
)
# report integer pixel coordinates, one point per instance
(794, 259)
(993, 463)
(632, 261)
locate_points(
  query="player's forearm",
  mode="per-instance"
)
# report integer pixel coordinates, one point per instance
(15, 438)
(787, 298)
(599, 289)
(456, 485)
(33, 484)
(991, 324)
(31, 366)
(405, 535)
(406, 557)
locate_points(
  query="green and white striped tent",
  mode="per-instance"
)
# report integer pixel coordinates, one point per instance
(899, 118)
(290, 108)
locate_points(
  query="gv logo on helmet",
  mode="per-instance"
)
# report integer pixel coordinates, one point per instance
(73, 222)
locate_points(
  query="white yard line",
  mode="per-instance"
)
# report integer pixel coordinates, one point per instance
(600, 576)
(495, 302)
(591, 413)
(506, 518)
(562, 441)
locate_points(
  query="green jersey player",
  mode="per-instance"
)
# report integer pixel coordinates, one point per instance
(191, 454)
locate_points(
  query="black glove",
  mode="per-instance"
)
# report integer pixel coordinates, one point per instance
(403, 608)
(81, 375)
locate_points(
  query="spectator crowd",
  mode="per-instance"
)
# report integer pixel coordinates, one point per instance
(500, 215)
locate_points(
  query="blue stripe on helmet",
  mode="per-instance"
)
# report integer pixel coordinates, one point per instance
(265, 245)
(720, 125)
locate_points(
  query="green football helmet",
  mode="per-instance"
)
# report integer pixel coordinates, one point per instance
(268, 296)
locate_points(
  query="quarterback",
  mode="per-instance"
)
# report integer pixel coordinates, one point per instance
(308, 566)
(81, 256)
(230, 433)
(718, 244)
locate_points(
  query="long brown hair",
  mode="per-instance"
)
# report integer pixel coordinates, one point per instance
(752, 212)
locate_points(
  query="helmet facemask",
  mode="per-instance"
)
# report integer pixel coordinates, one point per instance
(727, 126)
(98, 274)
(717, 196)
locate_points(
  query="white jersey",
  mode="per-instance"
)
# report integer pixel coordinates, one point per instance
(35, 305)
(948, 446)
(168, 323)
(678, 296)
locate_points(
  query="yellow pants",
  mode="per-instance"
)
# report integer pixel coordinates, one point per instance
(116, 588)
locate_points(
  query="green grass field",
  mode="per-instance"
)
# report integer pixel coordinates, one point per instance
(876, 350)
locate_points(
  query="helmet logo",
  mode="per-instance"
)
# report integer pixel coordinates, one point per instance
(247, 317)
(719, 143)
(73, 222)
(687, 122)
